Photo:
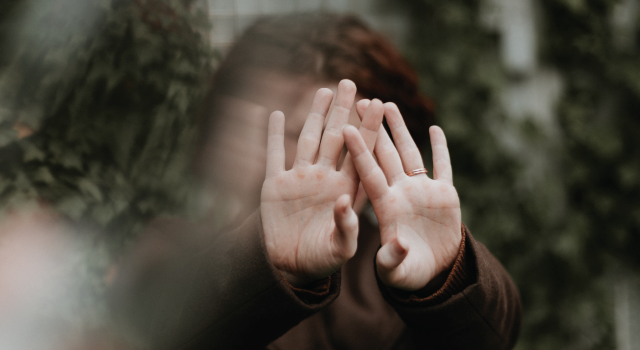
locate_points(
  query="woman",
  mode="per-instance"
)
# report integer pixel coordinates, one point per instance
(298, 272)
(278, 64)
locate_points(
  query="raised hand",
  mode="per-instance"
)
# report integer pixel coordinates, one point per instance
(309, 226)
(420, 223)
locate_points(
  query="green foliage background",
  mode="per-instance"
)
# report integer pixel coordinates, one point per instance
(113, 87)
(565, 229)
(113, 91)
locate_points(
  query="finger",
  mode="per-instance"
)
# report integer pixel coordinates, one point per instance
(369, 127)
(388, 260)
(275, 144)
(409, 153)
(332, 140)
(441, 160)
(345, 238)
(388, 158)
(371, 176)
(312, 130)
(361, 107)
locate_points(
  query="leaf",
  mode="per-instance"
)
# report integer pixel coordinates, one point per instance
(32, 152)
(74, 207)
(89, 187)
(43, 174)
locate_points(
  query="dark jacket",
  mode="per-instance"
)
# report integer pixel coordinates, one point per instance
(194, 289)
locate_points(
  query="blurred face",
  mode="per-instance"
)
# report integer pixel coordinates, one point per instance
(235, 155)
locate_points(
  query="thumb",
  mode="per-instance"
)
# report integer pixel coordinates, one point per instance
(389, 258)
(345, 237)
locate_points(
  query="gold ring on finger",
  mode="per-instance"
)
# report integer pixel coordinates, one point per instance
(417, 172)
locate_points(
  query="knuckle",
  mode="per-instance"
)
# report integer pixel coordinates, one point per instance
(307, 136)
(324, 159)
(316, 114)
(332, 132)
(387, 150)
(341, 110)
(368, 133)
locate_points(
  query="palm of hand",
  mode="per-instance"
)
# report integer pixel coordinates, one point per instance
(309, 226)
(424, 215)
(300, 205)
(419, 218)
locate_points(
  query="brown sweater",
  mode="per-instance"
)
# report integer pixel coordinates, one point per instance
(197, 290)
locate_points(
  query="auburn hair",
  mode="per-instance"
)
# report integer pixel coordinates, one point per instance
(328, 48)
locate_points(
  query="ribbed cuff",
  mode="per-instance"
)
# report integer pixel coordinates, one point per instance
(457, 280)
(313, 292)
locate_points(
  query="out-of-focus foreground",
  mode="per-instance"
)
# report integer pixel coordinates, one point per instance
(98, 106)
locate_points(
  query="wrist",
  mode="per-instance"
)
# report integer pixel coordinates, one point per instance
(449, 253)
(441, 287)
(433, 274)
(293, 280)
(298, 282)
(435, 283)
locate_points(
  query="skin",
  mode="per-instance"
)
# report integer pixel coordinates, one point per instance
(235, 156)
(419, 218)
(310, 228)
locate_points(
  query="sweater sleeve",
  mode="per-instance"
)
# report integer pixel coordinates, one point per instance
(220, 291)
(478, 307)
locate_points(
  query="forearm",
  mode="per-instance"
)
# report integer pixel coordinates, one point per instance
(476, 308)
(216, 289)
